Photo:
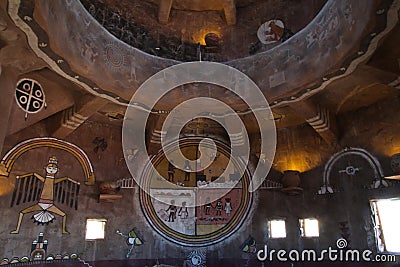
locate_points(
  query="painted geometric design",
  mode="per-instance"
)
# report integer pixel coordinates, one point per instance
(12, 155)
(114, 56)
(194, 214)
(29, 95)
(196, 259)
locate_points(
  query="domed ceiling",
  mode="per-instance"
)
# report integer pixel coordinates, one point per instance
(137, 23)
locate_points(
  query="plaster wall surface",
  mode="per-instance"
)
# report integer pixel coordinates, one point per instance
(349, 205)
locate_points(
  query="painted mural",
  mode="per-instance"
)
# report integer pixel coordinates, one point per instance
(173, 210)
(45, 191)
(30, 96)
(271, 31)
(28, 188)
(216, 214)
(11, 156)
(372, 163)
(204, 207)
(196, 259)
(100, 144)
(133, 239)
(39, 254)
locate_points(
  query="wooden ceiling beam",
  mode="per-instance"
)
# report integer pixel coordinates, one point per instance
(230, 11)
(164, 11)
(70, 119)
(320, 119)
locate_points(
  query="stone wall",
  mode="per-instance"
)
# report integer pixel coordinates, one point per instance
(348, 206)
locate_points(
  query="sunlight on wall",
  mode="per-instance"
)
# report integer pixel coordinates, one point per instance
(390, 150)
(309, 227)
(199, 37)
(390, 220)
(295, 162)
(277, 229)
(95, 229)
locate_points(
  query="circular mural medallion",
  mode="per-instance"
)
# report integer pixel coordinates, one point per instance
(266, 33)
(188, 215)
(29, 95)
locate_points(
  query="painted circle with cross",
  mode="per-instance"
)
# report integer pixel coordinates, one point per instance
(30, 95)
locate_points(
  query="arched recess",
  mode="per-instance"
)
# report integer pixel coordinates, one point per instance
(11, 157)
(372, 161)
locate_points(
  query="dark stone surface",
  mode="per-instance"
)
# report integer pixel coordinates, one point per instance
(135, 23)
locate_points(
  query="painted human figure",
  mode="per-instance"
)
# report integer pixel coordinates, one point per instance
(183, 211)
(45, 206)
(171, 171)
(188, 169)
(219, 207)
(172, 211)
(228, 206)
(207, 206)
